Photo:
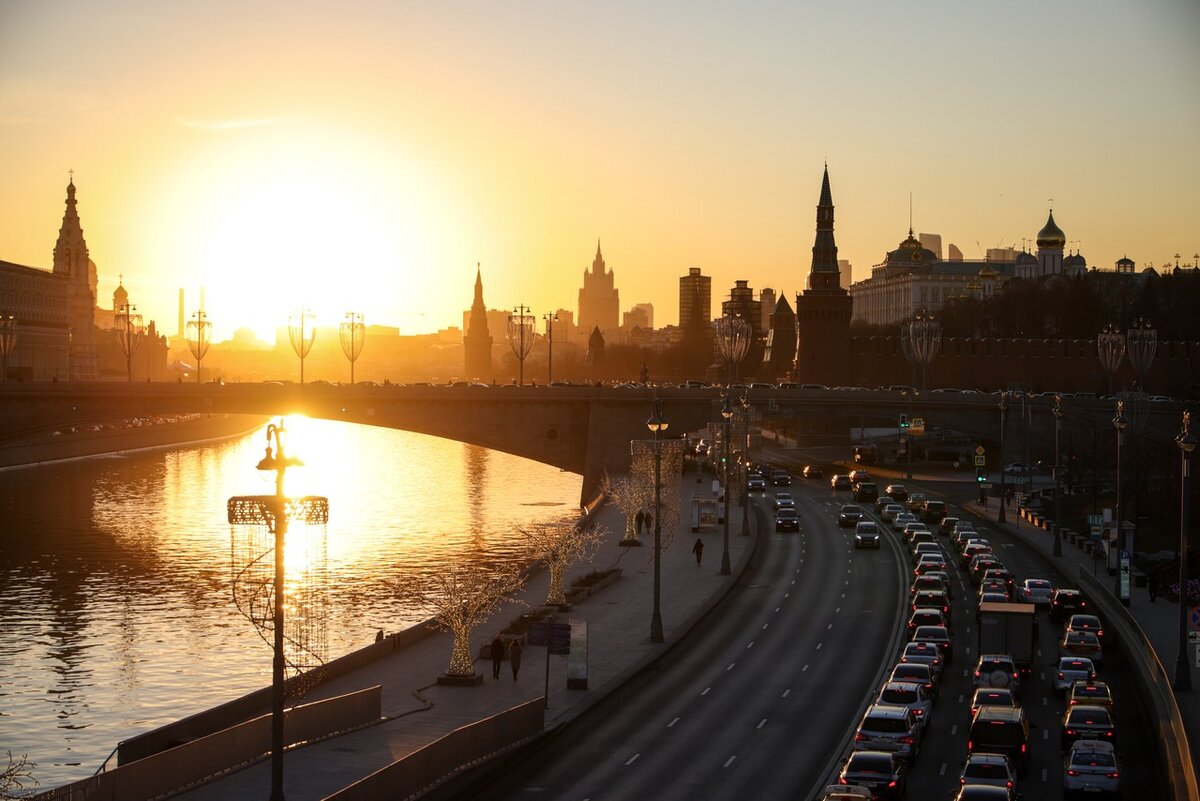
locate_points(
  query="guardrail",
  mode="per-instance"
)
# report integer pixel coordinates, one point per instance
(1153, 687)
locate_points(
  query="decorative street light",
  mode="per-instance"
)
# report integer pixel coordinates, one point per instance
(521, 336)
(352, 333)
(1187, 443)
(302, 333)
(733, 340)
(1111, 347)
(199, 336)
(1141, 341)
(921, 340)
(8, 339)
(274, 511)
(1058, 413)
(129, 332)
(726, 413)
(1001, 517)
(550, 319)
(745, 472)
(657, 423)
(1122, 586)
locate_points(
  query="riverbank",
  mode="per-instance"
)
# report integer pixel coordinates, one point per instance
(127, 436)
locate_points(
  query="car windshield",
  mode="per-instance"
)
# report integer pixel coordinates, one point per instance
(985, 770)
(1097, 716)
(899, 695)
(1095, 759)
(996, 733)
(891, 724)
(868, 762)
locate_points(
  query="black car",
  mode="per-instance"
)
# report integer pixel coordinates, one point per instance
(849, 516)
(933, 512)
(1065, 603)
(840, 482)
(881, 772)
(787, 519)
(866, 491)
(781, 478)
(811, 471)
(1086, 722)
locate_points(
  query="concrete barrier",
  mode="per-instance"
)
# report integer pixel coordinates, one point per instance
(1153, 687)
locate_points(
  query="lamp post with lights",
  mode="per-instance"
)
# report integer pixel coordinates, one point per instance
(520, 337)
(657, 423)
(1120, 423)
(1003, 406)
(1110, 345)
(129, 332)
(726, 413)
(745, 471)
(1058, 414)
(352, 334)
(302, 333)
(199, 337)
(1187, 443)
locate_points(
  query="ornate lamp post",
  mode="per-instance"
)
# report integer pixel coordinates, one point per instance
(8, 339)
(733, 340)
(302, 333)
(1058, 413)
(199, 336)
(1001, 517)
(1120, 424)
(550, 319)
(129, 332)
(745, 472)
(657, 423)
(1187, 443)
(726, 413)
(1110, 345)
(1141, 341)
(520, 336)
(352, 333)
(920, 340)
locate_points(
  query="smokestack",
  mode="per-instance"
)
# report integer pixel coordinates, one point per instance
(182, 330)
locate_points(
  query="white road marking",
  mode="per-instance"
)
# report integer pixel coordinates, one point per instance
(793, 581)
(827, 628)
(633, 759)
(802, 670)
(1045, 734)
(968, 629)
(843, 595)
(750, 644)
(761, 723)
(729, 761)
(835, 611)
(954, 730)
(731, 664)
(961, 698)
(777, 609)
(1043, 774)
(765, 625)
(819, 645)
(706, 689)
(672, 723)
(786, 693)
(942, 771)
(787, 595)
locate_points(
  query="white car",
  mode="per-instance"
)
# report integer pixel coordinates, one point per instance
(784, 500)
(908, 694)
(903, 519)
(991, 770)
(1091, 767)
(1036, 591)
(890, 511)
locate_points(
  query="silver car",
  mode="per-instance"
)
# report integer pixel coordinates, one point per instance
(908, 694)
(1036, 591)
(1091, 767)
(991, 770)
(1072, 669)
(889, 728)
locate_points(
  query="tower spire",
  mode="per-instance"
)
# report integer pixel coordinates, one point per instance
(824, 259)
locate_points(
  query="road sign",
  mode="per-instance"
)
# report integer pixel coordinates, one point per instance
(557, 635)
(979, 461)
(1194, 636)
(979, 451)
(1194, 618)
(986, 485)
(1095, 520)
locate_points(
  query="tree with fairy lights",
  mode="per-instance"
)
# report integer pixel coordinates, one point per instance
(461, 597)
(629, 494)
(17, 777)
(560, 545)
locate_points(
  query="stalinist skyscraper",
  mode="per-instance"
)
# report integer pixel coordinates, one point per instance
(599, 306)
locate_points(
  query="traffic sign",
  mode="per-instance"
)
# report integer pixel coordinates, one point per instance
(1194, 636)
(979, 451)
(986, 485)
(979, 461)
(1095, 520)
(1194, 618)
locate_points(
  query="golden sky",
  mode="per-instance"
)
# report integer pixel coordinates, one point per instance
(365, 155)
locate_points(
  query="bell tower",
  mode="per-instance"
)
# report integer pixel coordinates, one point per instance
(71, 260)
(823, 309)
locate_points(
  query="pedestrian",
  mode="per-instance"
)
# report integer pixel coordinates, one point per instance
(698, 549)
(639, 518)
(649, 522)
(1153, 584)
(514, 657)
(497, 656)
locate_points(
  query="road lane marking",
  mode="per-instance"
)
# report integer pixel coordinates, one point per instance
(786, 693)
(843, 595)
(1045, 702)
(954, 730)
(761, 723)
(731, 664)
(787, 595)
(633, 759)
(765, 625)
(961, 698)
(1045, 734)
(793, 581)
(1043, 774)
(827, 628)
(942, 771)
(729, 761)
(819, 645)
(750, 644)
(706, 689)
(802, 670)
(777, 609)
(672, 723)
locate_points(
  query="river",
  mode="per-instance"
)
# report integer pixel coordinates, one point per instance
(115, 572)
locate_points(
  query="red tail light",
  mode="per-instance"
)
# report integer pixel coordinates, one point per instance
(892, 783)
(1023, 748)
(859, 737)
(842, 780)
(1113, 775)
(1072, 772)
(906, 740)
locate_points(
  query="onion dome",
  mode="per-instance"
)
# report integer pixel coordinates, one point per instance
(1051, 236)
(1075, 260)
(987, 274)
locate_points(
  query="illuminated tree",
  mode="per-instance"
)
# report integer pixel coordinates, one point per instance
(628, 493)
(560, 545)
(460, 598)
(670, 470)
(16, 776)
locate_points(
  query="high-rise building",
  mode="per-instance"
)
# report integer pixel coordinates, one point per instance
(931, 242)
(766, 302)
(71, 260)
(953, 253)
(695, 300)
(845, 273)
(823, 310)
(477, 342)
(599, 303)
(640, 316)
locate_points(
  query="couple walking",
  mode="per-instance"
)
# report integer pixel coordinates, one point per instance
(514, 656)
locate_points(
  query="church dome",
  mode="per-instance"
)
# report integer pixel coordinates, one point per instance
(1074, 260)
(1051, 236)
(120, 296)
(1125, 261)
(987, 274)
(909, 253)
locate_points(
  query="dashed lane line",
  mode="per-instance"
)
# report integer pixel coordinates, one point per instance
(632, 759)
(761, 723)
(706, 689)
(672, 723)
(729, 761)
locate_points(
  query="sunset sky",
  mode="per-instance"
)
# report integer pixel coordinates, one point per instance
(365, 155)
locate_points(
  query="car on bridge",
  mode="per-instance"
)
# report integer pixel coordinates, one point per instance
(865, 491)
(782, 478)
(784, 500)
(882, 772)
(756, 483)
(1087, 722)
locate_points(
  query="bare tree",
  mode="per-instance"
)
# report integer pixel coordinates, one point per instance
(560, 545)
(460, 598)
(17, 776)
(628, 493)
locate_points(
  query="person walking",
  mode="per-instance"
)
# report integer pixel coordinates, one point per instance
(698, 549)
(1153, 585)
(497, 656)
(514, 657)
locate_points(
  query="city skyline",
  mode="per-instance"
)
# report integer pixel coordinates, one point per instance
(260, 159)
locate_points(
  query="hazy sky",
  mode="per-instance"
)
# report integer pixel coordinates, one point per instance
(365, 155)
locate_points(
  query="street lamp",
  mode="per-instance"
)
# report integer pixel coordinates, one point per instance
(199, 336)
(302, 333)
(656, 424)
(520, 336)
(1122, 587)
(745, 472)
(550, 319)
(1110, 345)
(1001, 517)
(1141, 341)
(726, 413)
(733, 339)
(129, 332)
(1187, 443)
(920, 340)
(8, 339)
(352, 333)
(1058, 413)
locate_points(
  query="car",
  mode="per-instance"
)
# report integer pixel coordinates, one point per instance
(925, 616)
(866, 534)
(901, 520)
(990, 770)
(1036, 591)
(783, 500)
(1001, 730)
(996, 670)
(926, 548)
(756, 483)
(928, 562)
(787, 520)
(994, 587)
(782, 478)
(980, 564)
(865, 491)
(1086, 623)
(1071, 669)
(845, 792)
(1096, 693)
(850, 515)
(992, 696)
(858, 476)
(1064, 603)
(936, 635)
(1081, 643)
(1018, 469)
(931, 599)
(919, 537)
(840, 482)
(945, 577)
(882, 501)
(981, 792)
(915, 502)
(882, 772)
(1003, 574)
(933, 512)
(928, 581)
(946, 526)
(921, 674)
(990, 598)
(924, 653)
(910, 695)
(914, 528)
(973, 548)
(811, 471)
(885, 727)
(1087, 722)
(1091, 769)
(888, 511)
(897, 492)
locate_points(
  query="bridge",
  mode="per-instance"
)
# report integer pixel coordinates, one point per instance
(580, 429)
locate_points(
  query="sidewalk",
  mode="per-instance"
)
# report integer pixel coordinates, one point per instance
(1159, 620)
(417, 711)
